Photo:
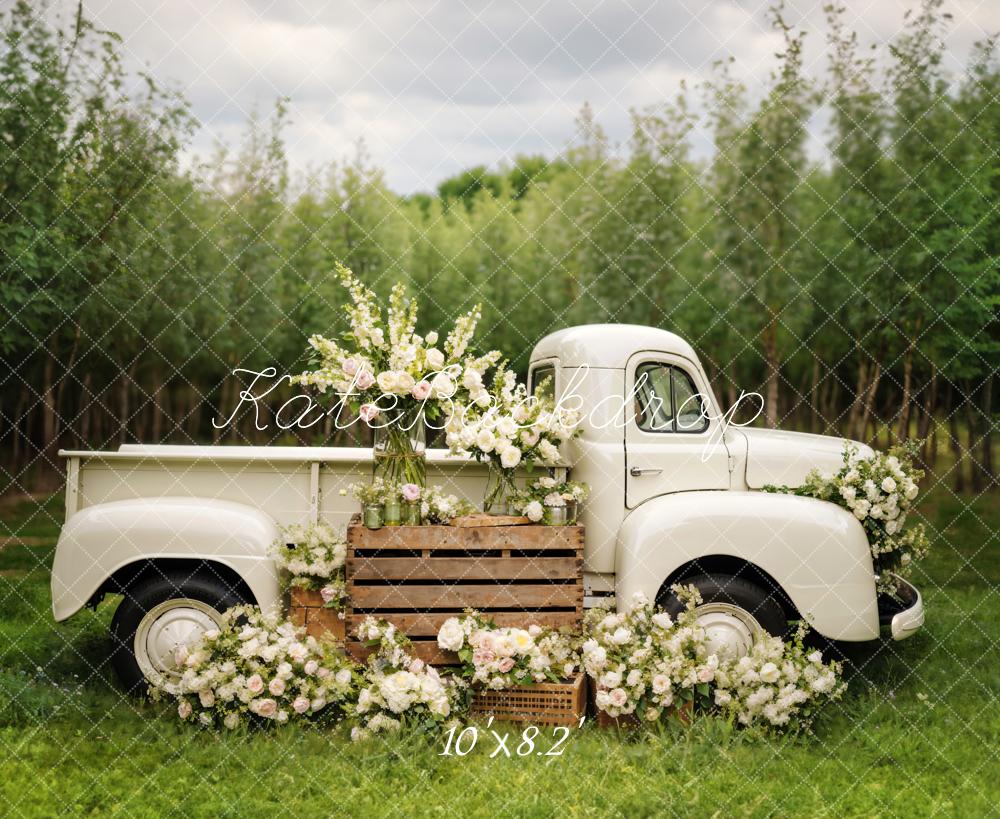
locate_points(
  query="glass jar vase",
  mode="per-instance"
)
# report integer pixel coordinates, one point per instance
(555, 516)
(392, 512)
(411, 513)
(499, 490)
(372, 516)
(399, 451)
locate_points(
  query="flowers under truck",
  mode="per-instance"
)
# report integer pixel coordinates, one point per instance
(678, 494)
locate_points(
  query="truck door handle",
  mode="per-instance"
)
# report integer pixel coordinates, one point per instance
(635, 472)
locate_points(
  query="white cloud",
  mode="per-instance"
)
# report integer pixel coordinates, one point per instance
(436, 85)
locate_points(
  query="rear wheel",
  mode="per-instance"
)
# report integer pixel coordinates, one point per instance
(734, 612)
(157, 615)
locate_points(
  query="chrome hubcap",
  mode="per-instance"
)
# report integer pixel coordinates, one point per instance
(730, 631)
(163, 630)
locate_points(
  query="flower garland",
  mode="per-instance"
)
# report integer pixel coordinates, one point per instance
(257, 668)
(879, 491)
(312, 557)
(499, 658)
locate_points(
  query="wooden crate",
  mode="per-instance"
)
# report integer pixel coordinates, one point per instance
(418, 576)
(539, 704)
(306, 609)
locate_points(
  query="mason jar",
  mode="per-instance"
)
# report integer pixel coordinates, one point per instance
(411, 513)
(373, 515)
(392, 513)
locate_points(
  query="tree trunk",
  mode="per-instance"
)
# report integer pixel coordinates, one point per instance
(124, 390)
(869, 399)
(971, 420)
(773, 363)
(50, 421)
(854, 415)
(927, 417)
(989, 472)
(86, 409)
(956, 440)
(814, 397)
(904, 408)
(156, 397)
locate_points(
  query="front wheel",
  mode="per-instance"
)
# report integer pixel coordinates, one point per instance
(734, 612)
(159, 613)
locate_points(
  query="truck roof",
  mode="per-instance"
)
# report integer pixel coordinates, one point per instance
(608, 345)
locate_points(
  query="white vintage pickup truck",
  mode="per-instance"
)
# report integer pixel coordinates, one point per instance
(183, 532)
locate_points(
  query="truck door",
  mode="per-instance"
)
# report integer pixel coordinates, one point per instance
(674, 439)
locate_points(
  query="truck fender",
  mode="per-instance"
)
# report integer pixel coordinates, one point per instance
(100, 540)
(816, 551)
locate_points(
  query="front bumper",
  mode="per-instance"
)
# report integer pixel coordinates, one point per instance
(903, 616)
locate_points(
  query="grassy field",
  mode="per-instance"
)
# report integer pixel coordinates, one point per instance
(916, 735)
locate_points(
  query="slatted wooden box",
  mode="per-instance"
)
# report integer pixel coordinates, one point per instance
(418, 576)
(306, 609)
(541, 704)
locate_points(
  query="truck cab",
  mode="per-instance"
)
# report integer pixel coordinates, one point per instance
(676, 496)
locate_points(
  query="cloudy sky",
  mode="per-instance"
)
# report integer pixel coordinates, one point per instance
(434, 86)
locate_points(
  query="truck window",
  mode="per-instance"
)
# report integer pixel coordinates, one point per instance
(666, 400)
(543, 381)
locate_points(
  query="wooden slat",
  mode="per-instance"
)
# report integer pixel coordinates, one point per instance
(306, 597)
(471, 568)
(500, 595)
(447, 537)
(426, 650)
(427, 624)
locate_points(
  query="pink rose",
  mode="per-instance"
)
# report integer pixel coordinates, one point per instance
(184, 709)
(618, 697)
(328, 593)
(350, 366)
(483, 657)
(311, 667)
(368, 413)
(267, 707)
(421, 390)
(301, 704)
(505, 665)
(255, 684)
(277, 686)
(416, 666)
(364, 380)
(411, 491)
(323, 672)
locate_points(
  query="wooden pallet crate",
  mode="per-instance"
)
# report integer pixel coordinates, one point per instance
(306, 610)
(416, 577)
(539, 704)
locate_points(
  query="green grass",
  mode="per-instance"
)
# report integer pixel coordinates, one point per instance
(916, 734)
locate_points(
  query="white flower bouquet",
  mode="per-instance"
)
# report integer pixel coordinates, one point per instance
(778, 685)
(879, 491)
(643, 662)
(548, 493)
(398, 689)
(505, 427)
(498, 658)
(438, 507)
(394, 378)
(257, 669)
(312, 557)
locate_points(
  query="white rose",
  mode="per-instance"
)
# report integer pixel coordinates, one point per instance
(442, 386)
(404, 383)
(634, 677)
(451, 635)
(432, 337)
(611, 680)
(621, 636)
(485, 440)
(472, 380)
(911, 491)
(769, 673)
(534, 511)
(386, 381)
(510, 457)
(888, 485)
(549, 453)
(482, 399)
(507, 427)
(435, 358)
(662, 620)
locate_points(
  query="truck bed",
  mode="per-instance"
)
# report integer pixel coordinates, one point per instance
(292, 484)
